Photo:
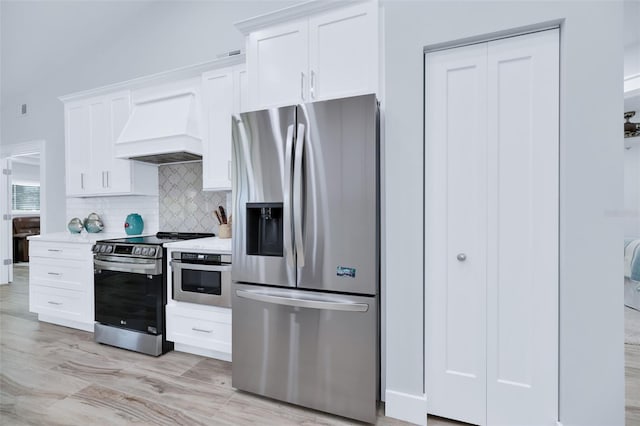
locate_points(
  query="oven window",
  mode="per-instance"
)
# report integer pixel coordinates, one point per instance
(128, 300)
(205, 282)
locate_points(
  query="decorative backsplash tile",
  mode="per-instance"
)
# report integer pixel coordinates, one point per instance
(184, 206)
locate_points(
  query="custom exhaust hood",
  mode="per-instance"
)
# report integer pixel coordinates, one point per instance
(162, 129)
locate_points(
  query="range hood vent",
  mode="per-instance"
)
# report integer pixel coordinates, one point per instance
(162, 130)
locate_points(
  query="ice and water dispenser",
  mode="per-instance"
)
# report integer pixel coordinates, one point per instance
(264, 229)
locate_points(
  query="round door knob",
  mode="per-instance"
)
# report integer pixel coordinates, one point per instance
(461, 257)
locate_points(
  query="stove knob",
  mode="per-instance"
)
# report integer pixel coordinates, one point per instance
(136, 250)
(152, 251)
(145, 251)
(95, 249)
(109, 249)
(102, 249)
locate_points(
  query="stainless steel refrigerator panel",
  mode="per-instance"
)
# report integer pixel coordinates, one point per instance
(308, 348)
(337, 248)
(262, 173)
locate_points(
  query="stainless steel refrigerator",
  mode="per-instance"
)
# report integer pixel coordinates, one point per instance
(306, 249)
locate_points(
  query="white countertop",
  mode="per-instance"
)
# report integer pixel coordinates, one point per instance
(210, 244)
(81, 238)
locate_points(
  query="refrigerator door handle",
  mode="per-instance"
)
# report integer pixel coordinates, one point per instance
(288, 246)
(297, 195)
(303, 303)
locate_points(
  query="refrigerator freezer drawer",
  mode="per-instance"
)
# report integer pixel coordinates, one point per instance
(317, 350)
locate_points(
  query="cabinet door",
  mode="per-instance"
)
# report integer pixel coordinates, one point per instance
(343, 52)
(98, 144)
(77, 146)
(277, 58)
(116, 176)
(240, 89)
(218, 105)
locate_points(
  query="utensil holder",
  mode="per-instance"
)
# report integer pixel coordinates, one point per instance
(224, 231)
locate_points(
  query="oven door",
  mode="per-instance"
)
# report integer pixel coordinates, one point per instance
(202, 284)
(129, 300)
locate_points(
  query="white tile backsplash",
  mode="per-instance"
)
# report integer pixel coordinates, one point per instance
(114, 210)
(181, 206)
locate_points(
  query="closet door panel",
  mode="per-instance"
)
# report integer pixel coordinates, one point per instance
(522, 275)
(456, 233)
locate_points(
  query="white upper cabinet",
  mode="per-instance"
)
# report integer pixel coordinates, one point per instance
(225, 92)
(343, 52)
(329, 54)
(91, 128)
(277, 60)
(217, 103)
(77, 139)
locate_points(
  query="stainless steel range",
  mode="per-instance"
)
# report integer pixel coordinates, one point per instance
(130, 282)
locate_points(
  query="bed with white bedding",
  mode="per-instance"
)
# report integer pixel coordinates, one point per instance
(632, 273)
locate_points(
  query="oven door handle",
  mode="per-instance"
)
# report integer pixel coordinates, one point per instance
(198, 267)
(135, 268)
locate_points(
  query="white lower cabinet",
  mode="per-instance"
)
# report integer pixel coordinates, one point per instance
(198, 329)
(61, 283)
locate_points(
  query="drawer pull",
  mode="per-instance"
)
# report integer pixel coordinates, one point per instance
(54, 273)
(54, 303)
(56, 250)
(201, 330)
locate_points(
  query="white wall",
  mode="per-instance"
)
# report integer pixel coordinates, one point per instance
(25, 174)
(138, 38)
(591, 314)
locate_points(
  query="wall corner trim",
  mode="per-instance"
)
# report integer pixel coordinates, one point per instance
(407, 407)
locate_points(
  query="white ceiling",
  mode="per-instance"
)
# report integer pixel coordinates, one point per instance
(39, 36)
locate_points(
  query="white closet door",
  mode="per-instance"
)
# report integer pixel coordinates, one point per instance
(522, 275)
(455, 195)
(491, 250)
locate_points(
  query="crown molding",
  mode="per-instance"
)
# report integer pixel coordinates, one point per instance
(159, 78)
(291, 13)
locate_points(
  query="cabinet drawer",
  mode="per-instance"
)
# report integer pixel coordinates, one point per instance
(60, 303)
(198, 332)
(69, 274)
(51, 250)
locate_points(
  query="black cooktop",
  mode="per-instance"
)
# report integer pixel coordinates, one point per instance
(160, 238)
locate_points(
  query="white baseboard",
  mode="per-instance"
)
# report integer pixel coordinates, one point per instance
(66, 323)
(407, 407)
(181, 347)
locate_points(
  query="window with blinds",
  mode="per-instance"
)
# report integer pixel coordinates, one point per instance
(25, 198)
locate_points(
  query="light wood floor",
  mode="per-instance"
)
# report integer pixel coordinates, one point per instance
(59, 376)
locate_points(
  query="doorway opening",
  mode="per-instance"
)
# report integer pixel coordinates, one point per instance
(23, 193)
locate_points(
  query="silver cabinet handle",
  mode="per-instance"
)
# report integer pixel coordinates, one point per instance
(229, 169)
(313, 85)
(461, 257)
(303, 303)
(56, 250)
(105, 179)
(81, 180)
(288, 170)
(201, 330)
(54, 303)
(54, 273)
(297, 195)
(103, 185)
(302, 86)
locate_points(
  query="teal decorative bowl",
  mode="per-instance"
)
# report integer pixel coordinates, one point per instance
(75, 225)
(134, 224)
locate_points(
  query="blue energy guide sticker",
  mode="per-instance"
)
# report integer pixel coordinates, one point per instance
(343, 271)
